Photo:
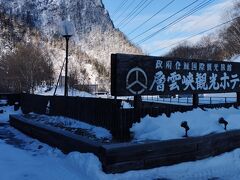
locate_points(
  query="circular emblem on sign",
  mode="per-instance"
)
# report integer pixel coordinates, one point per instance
(133, 81)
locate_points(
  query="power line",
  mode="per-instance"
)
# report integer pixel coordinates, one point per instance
(164, 20)
(202, 32)
(135, 10)
(138, 13)
(119, 7)
(151, 17)
(195, 9)
(132, 12)
(125, 10)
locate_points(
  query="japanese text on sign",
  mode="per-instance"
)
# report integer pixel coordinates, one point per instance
(148, 75)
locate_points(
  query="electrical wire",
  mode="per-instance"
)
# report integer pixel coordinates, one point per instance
(117, 10)
(125, 10)
(195, 9)
(202, 32)
(132, 12)
(151, 17)
(124, 25)
(164, 20)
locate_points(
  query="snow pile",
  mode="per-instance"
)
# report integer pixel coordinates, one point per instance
(3, 102)
(60, 92)
(235, 58)
(32, 162)
(200, 123)
(99, 132)
(86, 165)
(126, 105)
(4, 117)
(21, 164)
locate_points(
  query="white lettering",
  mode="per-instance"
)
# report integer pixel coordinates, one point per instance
(177, 65)
(201, 80)
(209, 67)
(169, 65)
(234, 80)
(229, 67)
(173, 78)
(186, 66)
(188, 81)
(194, 66)
(201, 67)
(159, 80)
(223, 68)
(159, 64)
(224, 84)
(213, 82)
(216, 66)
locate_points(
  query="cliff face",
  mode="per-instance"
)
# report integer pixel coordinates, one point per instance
(47, 14)
(38, 21)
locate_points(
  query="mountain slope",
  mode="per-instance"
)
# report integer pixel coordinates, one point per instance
(37, 21)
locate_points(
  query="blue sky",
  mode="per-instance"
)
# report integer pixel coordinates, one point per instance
(207, 17)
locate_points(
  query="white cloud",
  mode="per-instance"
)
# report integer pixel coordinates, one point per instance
(210, 17)
(194, 24)
(162, 46)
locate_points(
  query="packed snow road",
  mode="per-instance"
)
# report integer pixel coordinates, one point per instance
(9, 137)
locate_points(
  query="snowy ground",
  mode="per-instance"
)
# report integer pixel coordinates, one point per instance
(200, 123)
(46, 163)
(60, 92)
(24, 158)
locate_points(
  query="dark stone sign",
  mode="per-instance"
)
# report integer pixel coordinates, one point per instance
(147, 75)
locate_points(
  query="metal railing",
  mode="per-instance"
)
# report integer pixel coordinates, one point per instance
(188, 100)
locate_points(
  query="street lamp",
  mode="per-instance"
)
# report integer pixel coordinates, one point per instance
(67, 30)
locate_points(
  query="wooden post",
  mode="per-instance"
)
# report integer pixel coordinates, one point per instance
(137, 108)
(195, 100)
(238, 98)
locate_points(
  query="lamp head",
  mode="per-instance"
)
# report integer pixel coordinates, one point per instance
(67, 28)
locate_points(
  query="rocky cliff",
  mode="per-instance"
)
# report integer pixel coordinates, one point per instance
(38, 21)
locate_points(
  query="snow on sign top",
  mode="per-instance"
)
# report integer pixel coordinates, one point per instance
(149, 75)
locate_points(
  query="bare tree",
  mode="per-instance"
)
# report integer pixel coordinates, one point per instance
(73, 78)
(26, 68)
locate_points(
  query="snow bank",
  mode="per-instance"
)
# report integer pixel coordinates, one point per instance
(200, 123)
(235, 58)
(60, 91)
(126, 105)
(21, 164)
(48, 163)
(86, 165)
(4, 117)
